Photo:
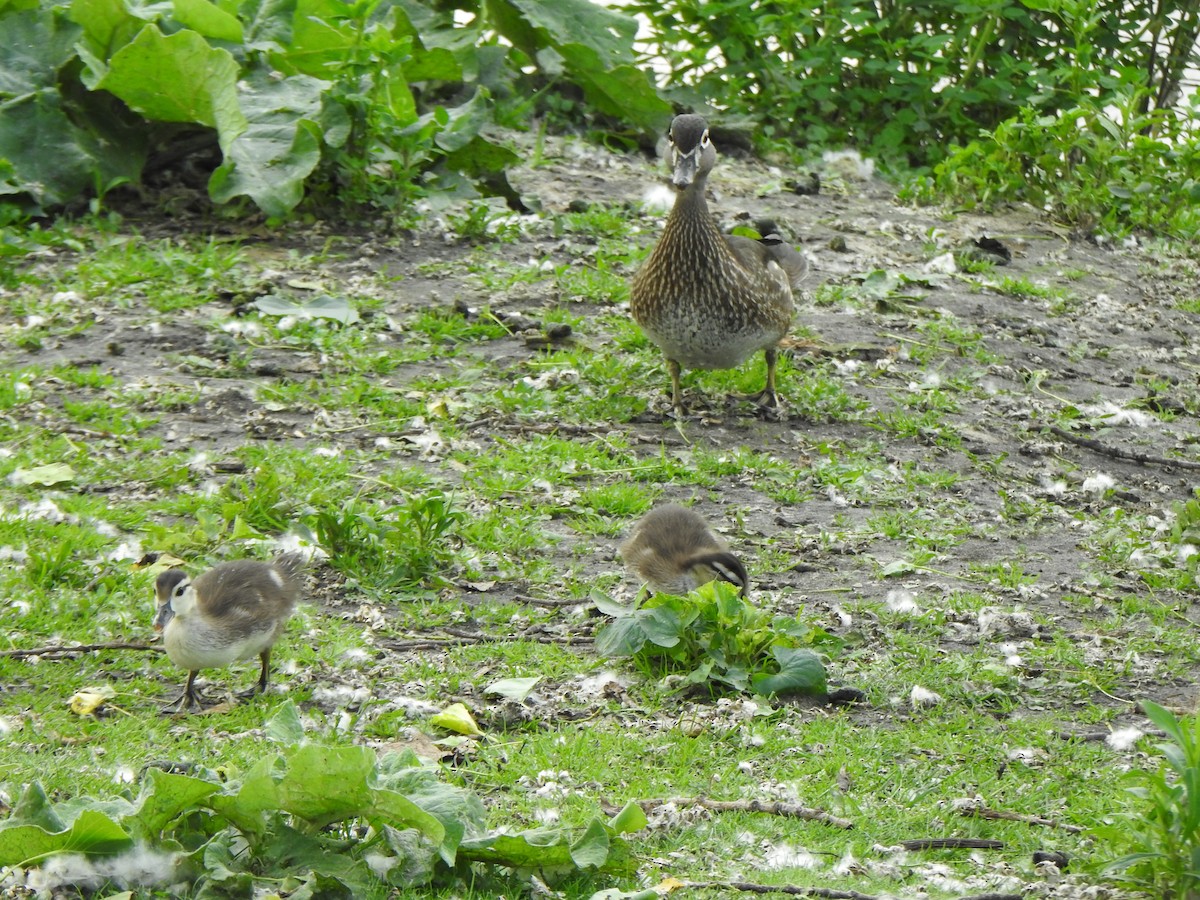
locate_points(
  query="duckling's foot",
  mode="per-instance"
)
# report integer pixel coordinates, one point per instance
(188, 701)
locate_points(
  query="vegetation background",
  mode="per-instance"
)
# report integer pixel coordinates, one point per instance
(408, 118)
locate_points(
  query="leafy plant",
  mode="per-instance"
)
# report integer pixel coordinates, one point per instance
(290, 96)
(906, 81)
(715, 637)
(1162, 833)
(1099, 164)
(333, 821)
(389, 547)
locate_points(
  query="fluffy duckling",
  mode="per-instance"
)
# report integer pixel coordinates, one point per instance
(233, 611)
(674, 552)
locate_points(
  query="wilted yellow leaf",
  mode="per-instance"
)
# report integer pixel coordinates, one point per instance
(88, 700)
(456, 718)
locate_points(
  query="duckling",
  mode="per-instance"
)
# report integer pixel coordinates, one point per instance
(233, 611)
(706, 299)
(674, 552)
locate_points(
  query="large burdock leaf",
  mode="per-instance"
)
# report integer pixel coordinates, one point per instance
(800, 672)
(37, 138)
(209, 20)
(178, 78)
(34, 831)
(280, 146)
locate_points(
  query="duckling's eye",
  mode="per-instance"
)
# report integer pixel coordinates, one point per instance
(704, 138)
(180, 590)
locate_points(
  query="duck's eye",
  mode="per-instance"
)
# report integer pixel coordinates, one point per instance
(704, 139)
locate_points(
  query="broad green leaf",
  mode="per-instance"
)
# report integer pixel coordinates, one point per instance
(178, 78)
(209, 20)
(45, 476)
(164, 797)
(268, 23)
(91, 832)
(464, 122)
(622, 637)
(591, 850)
(662, 625)
(800, 672)
(607, 33)
(457, 718)
(400, 812)
(513, 688)
(108, 25)
(322, 41)
(280, 146)
(36, 44)
(624, 92)
(897, 567)
(285, 726)
(43, 146)
(326, 784)
(34, 808)
(608, 605)
(631, 818)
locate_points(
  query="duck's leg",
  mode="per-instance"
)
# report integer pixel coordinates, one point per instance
(768, 397)
(261, 685)
(676, 392)
(188, 701)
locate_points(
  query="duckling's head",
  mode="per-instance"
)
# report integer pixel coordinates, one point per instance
(175, 596)
(720, 566)
(692, 153)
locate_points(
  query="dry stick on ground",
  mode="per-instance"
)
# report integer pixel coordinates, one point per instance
(952, 844)
(796, 890)
(1105, 449)
(405, 646)
(983, 812)
(81, 648)
(774, 807)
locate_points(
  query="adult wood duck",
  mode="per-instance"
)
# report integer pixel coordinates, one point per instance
(233, 611)
(673, 551)
(707, 299)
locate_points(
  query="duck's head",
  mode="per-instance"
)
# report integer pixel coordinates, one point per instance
(692, 153)
(175, 595)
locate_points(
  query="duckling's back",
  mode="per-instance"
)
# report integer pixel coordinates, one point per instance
(669, 533)
(248, 588)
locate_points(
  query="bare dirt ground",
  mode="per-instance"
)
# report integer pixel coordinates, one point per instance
(1108, 346)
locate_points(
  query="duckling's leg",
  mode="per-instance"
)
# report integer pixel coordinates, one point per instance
(261, 685)
(188, 701)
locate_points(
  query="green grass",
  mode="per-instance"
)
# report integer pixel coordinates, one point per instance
(472, 490)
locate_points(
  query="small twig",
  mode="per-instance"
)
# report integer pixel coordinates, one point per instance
(794, 890)
(983, 812)
(952, 844)
(774, 807)
(1145, 459)
(405, 646)
(81, 648)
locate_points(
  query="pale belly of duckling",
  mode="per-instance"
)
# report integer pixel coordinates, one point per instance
(195, 645)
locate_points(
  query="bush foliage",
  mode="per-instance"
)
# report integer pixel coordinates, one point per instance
(908, 80)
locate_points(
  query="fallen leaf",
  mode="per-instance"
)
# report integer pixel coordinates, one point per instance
(46, 476)
(87, 701)
(457, 718)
